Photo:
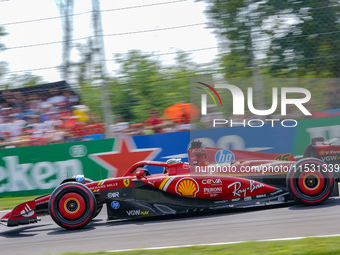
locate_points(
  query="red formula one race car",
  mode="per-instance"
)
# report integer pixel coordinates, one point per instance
(236, 179)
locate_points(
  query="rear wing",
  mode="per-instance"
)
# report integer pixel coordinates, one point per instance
(209, 155)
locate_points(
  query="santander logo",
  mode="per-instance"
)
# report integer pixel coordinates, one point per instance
(27, 212)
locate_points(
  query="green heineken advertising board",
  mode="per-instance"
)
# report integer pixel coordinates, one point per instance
(39, 169)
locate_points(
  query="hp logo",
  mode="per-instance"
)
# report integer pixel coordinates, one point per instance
(224, 156)
(115, 205)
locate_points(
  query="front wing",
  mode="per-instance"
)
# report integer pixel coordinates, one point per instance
(22, 214)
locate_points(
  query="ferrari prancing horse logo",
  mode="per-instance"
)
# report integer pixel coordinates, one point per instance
(126, 182)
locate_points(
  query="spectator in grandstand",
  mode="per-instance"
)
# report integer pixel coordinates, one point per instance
(34, 99)
(17, 126)
(52, 122)
(30, 109)
(17, 112)
(38, 126)
(71, 99)
(12, 127)
(5, 127)
(16, 99)
(135, 129)
(24, 139)
(57, 135)
(81, 112)
(46, 112)
(6, 140)
(118, 129)
(55, 97)
(43, 102)
(4, 112)
(69, 121)
(74, 137)
(170, 127)
(155, 123)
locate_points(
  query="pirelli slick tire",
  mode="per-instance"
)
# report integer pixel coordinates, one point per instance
(72, 205)
(310, 182)
(99, 206)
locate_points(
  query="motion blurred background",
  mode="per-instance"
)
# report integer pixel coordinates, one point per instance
(256, 42)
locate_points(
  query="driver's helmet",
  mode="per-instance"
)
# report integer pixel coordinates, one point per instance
(145, 170)
(171, 161)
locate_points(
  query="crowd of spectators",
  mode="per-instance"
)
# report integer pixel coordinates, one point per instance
(155, 124)
(55, 116)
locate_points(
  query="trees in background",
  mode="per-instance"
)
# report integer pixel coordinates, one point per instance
(279, 39)
(310, 43)
(3, 65)
(286, 38)
(273, 38)
(142, 83)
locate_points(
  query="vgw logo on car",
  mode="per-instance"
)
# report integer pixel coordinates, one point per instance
(329, 158)
(137, 212)
(239, 102)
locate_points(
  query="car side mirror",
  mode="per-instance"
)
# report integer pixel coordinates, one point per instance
(139, 173)
(317, 139)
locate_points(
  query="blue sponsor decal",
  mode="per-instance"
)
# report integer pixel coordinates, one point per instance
(79, 178)
(115, 205)
(224, 156)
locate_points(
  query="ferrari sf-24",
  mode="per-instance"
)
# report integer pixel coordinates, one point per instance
(251, 179)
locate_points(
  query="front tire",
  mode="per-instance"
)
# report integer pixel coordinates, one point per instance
(99, 206)
(72, 205)
(310, 182)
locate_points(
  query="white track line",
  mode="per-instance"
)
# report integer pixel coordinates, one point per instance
(237, 242)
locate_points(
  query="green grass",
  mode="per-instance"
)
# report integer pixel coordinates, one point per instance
(7, 203)
(308, 246)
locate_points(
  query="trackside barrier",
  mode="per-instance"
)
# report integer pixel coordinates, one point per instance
(37, 170)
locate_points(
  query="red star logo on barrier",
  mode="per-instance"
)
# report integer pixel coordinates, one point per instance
(123, 155)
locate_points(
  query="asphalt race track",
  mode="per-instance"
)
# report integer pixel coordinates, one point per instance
(46, 237)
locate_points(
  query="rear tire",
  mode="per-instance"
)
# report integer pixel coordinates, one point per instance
(310, 182)
(72, 205)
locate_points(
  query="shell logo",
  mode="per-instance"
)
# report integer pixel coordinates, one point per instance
(187, 187)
